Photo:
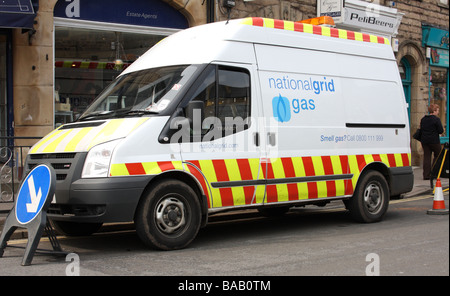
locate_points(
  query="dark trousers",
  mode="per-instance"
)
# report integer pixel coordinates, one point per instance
(428, 149)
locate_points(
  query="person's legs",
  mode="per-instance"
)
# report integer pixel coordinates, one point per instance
(426, 161)
(436, 149)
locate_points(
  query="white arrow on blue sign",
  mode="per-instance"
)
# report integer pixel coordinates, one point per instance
(33, 194)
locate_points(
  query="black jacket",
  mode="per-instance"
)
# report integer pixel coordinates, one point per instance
(431, 128)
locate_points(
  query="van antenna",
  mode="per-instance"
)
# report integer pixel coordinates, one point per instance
(229, 4)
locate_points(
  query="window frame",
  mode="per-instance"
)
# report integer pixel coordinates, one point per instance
(194, 91)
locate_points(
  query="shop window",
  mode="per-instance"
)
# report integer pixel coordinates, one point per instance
(86, 61)
(405, 74)
(438, 93)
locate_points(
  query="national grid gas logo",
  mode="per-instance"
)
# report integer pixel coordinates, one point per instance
(283, 107)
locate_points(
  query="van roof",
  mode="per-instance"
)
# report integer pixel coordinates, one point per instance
(232, 41)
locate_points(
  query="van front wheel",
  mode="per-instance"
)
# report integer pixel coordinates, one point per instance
(371, 198)
(169, 216)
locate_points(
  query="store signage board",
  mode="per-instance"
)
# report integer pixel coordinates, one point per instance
(435, 37)
(16, 6)
(361, 16)
(150, 13)
(30, 210)
(439, 57)
(332, 8)
(371, 21)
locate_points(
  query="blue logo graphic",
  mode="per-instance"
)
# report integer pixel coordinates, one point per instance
(281, 109)
(33, 194)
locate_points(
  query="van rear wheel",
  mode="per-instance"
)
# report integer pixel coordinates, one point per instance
(370, 200)
(168, 217)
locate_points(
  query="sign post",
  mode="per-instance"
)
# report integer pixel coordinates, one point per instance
(30, 210)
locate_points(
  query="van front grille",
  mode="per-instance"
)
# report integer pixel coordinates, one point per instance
(62, 163)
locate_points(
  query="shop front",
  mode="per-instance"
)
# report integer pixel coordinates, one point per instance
(436, 42)
(96, 40)
(13, 15)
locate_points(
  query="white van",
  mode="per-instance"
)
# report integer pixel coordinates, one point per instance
(251, 113)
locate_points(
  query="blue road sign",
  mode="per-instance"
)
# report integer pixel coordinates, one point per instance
(33, 193)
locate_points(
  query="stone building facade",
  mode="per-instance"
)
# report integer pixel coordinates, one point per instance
(41, 58)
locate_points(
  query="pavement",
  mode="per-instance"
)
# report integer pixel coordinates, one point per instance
(421, 187)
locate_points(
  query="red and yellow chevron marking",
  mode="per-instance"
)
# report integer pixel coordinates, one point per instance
(235, 182)
(313, 29)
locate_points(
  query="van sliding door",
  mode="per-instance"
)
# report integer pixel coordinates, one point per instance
(302, 102)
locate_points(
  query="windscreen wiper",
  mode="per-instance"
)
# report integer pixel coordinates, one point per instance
(95, 115)
(135, 112)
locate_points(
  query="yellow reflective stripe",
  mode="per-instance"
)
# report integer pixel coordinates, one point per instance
(46, 140)
(354, 169)
(343, 34)
(289, 26)
(51, 147)
(118, 169)
(337, 170)
(326, 31)
(278, 173)
(178, 165)
(107, 130)
(77, 138)
(319, 171)
(384, 159)
(368, 158)
(235, 175)
(307, 28)
(299, 170)
(398, 160)
(373, 39)
(269, 23)
(247, 21)
(207, 168)
(358, 36)
(255, 167)
(151, 168)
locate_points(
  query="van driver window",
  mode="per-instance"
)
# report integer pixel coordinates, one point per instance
(225, 94)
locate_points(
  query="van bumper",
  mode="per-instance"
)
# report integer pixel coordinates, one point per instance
(402, 180)
(99, 200)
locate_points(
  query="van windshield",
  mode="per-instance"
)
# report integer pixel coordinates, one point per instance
(137, 93)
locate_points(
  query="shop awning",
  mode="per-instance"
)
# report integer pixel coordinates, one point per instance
(18, 13)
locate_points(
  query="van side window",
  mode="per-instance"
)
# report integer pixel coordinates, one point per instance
(225, 97)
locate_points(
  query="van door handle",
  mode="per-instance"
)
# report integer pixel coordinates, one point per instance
(271, 138)
(256, 139)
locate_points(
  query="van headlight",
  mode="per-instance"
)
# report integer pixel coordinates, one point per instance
(98, 159)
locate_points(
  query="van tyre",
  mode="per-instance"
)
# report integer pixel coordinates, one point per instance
(169, 216)
(371, 198)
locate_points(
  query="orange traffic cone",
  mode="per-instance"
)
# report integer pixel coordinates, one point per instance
(438, 201)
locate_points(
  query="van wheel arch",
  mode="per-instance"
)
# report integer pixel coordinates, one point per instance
(370, 199)
(188, 180)
(379, 167)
